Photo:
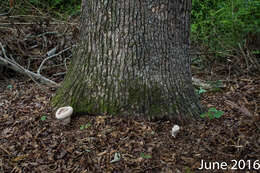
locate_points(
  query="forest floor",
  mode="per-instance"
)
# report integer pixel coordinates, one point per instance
(32, 140)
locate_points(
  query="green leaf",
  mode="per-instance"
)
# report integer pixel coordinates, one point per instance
(9, 86)
(43, 118)
(219, 114)
(145, 156)
(87, 125)
(82, 127)
(202, 90)
(255, 52)
(212, 110)
(212, 113)
(88, 151)
(203, 115)
(211, 116)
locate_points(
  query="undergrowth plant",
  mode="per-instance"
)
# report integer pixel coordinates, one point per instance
(224, 25)
(55, 8)
(82, 127)
(145, 156)
(43, 118)
(200, 91)
(212, 113)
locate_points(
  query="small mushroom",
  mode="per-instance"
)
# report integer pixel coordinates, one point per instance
(64, 114)
(175, 130)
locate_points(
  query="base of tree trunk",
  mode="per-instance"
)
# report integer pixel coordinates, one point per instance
(133, 59)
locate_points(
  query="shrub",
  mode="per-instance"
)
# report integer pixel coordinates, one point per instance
(224, 25)
(58, 6)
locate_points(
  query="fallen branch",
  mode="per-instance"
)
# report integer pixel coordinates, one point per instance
(31, 23)
(51, 55)
(18, 68)
(10, 63)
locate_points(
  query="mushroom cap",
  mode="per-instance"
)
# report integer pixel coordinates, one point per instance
(64, 112)
(176, 128)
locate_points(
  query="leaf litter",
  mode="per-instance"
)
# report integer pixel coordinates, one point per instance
(121, 144)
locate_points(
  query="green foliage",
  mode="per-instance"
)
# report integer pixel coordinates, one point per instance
(87, 150)
(212, 113)
(43, 118)
(58, 6)
(71, 7)
(215, 86)
(200, 91)
(222, 25)
(82, 127)
(145, 156)
(9, 86)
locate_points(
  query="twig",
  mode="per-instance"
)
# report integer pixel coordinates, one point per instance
(34, 7)
(58, 74)
(24, 71)
(9, 63)
(244, 55)
(32, 16)
(39, 69)
(5, 150)
(65, 62)
(4, 14)
(40, 35)
(3, 50)
(31, 23)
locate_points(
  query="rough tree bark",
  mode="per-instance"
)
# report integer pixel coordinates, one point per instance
(132, 58)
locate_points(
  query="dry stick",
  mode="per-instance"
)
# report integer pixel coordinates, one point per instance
(32, 16)
(39, 69)
(5, 150)
(244, 56)
(35, 8)
(31, 23)
(4, 14)
(43, 34)
(58, 74)
(17, 67)
(65, 62)
(252, 59)
(20, 69)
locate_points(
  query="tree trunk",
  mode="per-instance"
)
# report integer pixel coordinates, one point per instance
(132, 58)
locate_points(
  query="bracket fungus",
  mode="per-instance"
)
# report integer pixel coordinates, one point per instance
(64, 114)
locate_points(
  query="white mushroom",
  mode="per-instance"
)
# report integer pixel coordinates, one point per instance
(64, 114)
(175, 130)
